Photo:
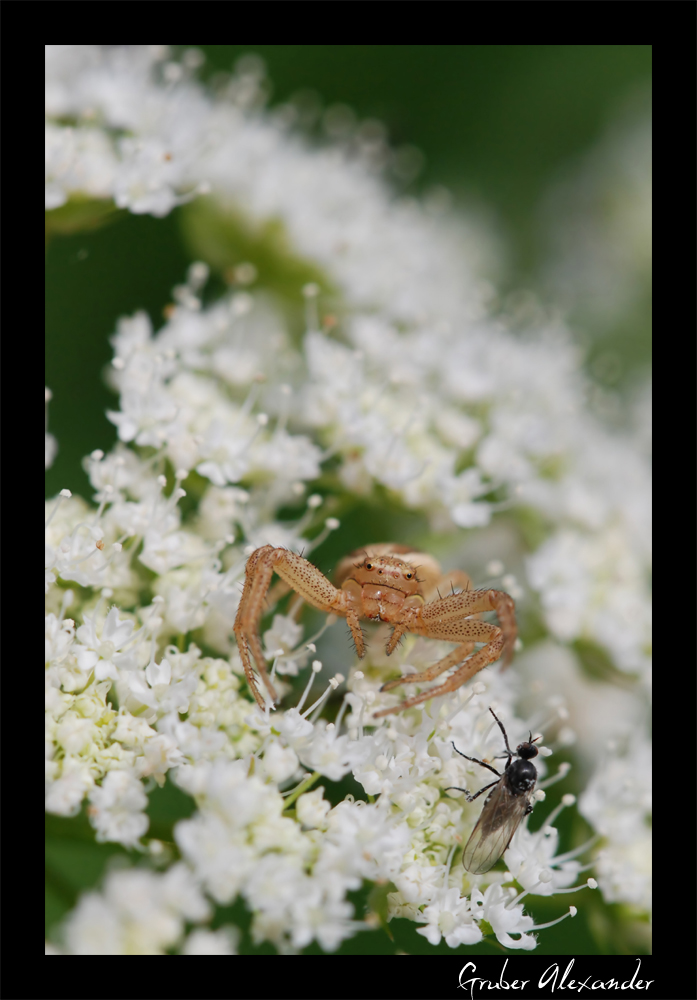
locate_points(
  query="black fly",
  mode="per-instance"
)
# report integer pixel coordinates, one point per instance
(509, 800)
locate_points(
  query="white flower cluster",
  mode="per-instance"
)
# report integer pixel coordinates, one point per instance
(617, 803)
(415, 391)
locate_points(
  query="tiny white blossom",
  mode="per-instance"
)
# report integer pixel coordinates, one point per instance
(98, 648)
(494, 906)
(449, 916)
(117, 809)
(313, 809)
(224, 941)
(280, 763)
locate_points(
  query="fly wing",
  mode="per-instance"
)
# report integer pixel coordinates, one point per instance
(501, 815)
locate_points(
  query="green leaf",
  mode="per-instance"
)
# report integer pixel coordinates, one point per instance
(80, 215)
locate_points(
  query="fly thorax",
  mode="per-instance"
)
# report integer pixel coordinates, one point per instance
(522, 775)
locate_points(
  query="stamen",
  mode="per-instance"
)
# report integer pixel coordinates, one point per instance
(464, 699)
(540, 927)
(277, 655)
(567, 800)
(310, 644)
(313, 502)
(588, 884)
(562, 772)
(448, 864)
(106, 498)
(59, 500)
(359, 726)
(261, 421)
(547, 722)
(316, 667)
(331, 524)
(332, 686)
(561, 858)
(89, 555)
(546, 876)
(334, 682)
(340, 715)
(251, 397)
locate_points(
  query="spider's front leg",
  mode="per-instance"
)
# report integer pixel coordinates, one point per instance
(306, 580)
(450, 619)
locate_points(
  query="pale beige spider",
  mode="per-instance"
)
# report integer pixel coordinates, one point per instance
(390, 583)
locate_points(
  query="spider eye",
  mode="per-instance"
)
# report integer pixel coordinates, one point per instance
(368, 565)
(409, 576)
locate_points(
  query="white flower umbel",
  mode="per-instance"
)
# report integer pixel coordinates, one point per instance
(617, 803)
(408, 394)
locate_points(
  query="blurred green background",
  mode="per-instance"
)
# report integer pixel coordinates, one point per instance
(496, 125)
